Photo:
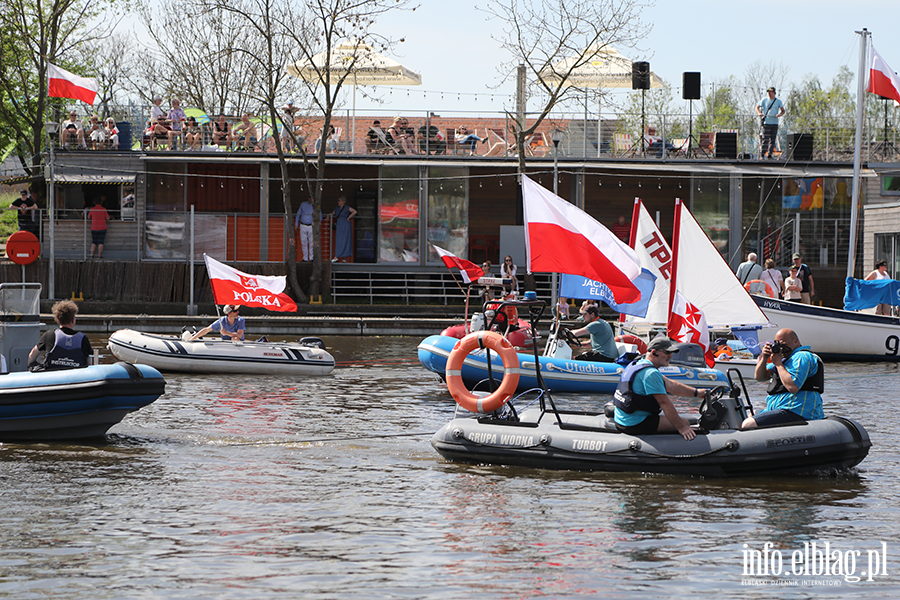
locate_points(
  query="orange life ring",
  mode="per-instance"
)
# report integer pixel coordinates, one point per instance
(453, 372)
(633, 339)
(769, 291)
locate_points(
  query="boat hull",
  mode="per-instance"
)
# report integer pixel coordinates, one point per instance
(74, 403)
(559, 375)
(836, 334)
(592, 444)
(168, 353)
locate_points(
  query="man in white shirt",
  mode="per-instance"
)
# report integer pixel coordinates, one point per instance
(72, 131)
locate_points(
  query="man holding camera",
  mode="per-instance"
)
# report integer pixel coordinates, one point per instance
(796, 380)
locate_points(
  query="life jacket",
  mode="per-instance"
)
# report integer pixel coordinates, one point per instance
(66, 352)
(813, 383)
(626, 399)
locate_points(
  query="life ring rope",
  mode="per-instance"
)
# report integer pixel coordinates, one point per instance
(769, 291)
(633, 339)
(489, 340)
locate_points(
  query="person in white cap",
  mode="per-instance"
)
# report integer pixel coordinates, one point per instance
(643, 392)
(231, 326)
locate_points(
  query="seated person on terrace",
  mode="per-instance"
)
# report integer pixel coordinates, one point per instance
(373, 142)
(465, 137)
(112, 133)
(221, 131)
(288, 126)
(96, 133)
(654, 143)
(400, 134)
(245, 133)
(158, 131)
(331, 144)
(435, 144)
(71, 131)
(193, 134)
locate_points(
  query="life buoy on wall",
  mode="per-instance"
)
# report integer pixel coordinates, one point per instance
(633, 339)
(453, 373)
(769, 291)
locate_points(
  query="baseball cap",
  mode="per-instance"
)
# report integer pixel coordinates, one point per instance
(663, 343)
(157, 97)
(721, 342)
(229, 307)
(771, 89)
(795, 255)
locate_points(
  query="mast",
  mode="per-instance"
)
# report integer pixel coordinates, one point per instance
(857, 149)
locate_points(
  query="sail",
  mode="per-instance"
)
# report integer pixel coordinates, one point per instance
(654, 254)
(706, 279)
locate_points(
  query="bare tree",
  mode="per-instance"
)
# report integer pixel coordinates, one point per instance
(34, 34)
(110, 63)
(540, 34)
(303, 34)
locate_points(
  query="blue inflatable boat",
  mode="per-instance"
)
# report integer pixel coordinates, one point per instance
(75, 403)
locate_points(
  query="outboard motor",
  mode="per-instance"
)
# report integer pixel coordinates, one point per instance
(312, 342)
(476, 322)
(689, 355)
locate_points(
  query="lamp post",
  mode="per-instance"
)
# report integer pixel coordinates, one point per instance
(555, 137)
(51, 128)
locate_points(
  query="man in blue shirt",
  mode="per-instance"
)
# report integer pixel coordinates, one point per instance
(769, 108)
(304, 222)
(796, 380)
(643, 392)
(230, 327)
(603, 342)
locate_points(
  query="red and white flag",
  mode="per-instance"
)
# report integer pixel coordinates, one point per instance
(562, 238)
(882, 79)
(687, 324)
(470, 271)
(68, 85)
(231, 286)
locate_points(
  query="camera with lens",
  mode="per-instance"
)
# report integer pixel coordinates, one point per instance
(777, 347)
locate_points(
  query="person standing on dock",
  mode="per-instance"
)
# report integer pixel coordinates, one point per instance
(304, 223)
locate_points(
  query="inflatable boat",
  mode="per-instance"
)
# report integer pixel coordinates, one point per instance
(561, 375)
(489, 428)
(75, 403)
(207, 355)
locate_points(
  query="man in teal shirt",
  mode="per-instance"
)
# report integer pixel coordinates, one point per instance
(643, 392)
(603, 342)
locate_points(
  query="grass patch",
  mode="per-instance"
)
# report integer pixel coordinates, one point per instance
(9, 222)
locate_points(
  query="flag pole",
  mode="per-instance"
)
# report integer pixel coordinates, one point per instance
(857, 149)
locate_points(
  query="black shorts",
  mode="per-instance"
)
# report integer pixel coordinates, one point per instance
(648, 426)
(594, 356)
(768, 418)
(97, 237)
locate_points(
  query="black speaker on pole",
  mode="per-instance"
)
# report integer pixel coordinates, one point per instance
(640, 75)
(690, 86)
(726, 145)
(800, 146)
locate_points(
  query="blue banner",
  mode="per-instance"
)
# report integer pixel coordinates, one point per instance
(860, 294)
(582, 288)
(749, 336)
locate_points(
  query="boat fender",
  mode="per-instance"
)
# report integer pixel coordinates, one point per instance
(492, 341)
(769, 291)
(133, 371)
(633, 339)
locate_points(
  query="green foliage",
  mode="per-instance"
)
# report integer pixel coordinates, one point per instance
(720, 108)
(9, 222)
(814, 109)
(658, 108)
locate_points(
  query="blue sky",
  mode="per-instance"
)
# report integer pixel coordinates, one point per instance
(449, 44)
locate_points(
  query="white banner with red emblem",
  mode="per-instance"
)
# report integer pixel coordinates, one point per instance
(231, 286)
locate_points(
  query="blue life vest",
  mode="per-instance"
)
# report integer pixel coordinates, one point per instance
(626, 399)
(66, 352)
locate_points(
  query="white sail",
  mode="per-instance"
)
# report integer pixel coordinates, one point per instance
(703, 275)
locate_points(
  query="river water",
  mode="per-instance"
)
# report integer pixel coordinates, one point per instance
(265, 487)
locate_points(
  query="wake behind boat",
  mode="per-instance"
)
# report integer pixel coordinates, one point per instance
(169, 353)
(74, 403)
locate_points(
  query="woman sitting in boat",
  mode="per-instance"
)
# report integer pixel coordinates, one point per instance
(603, 342)
(722, 351)
(643, 391)
(796, 381)
(63, 348)
(231, 326)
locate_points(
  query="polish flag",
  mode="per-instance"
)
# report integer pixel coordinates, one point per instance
(882, 79)
(68, 85)
(687, 324)
(561, 238)
(231, 286)
(470, 271)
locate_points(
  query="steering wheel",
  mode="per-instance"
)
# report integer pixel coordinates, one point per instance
(714, 395)
(570, 337)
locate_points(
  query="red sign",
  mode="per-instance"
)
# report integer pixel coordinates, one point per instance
(23, 248)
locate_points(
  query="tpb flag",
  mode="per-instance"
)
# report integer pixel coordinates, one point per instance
(231, 286)
(470, 271)
(562, 238)
(63, 84)
(575, 286)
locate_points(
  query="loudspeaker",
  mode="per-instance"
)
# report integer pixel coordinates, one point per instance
(800, 146)
(640, 75)
(690, 86)
(726, 145)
